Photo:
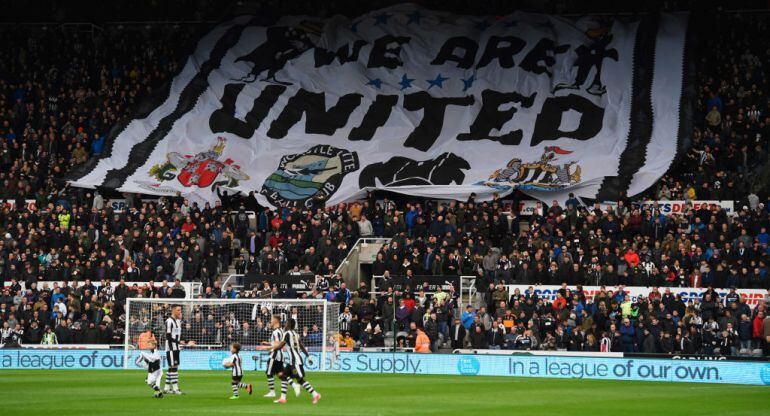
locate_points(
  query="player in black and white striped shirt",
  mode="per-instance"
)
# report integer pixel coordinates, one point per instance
(236, 364)
(275, 365)
(173, 346)
(295, 368)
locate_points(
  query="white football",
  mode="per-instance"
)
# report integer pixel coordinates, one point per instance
(227, 361)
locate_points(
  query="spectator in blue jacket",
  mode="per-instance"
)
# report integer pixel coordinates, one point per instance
(56, 296)
(229, 292)
(97, 145)
(410, 218)
(744, 332)
(468, 317)
(628, 336)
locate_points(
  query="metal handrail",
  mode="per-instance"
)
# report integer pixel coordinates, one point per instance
(367, 240)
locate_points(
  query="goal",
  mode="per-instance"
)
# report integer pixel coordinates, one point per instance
(209, 326)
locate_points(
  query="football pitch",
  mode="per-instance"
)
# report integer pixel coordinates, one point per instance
(73, 392)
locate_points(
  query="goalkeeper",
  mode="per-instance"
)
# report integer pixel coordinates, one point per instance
(151, 360)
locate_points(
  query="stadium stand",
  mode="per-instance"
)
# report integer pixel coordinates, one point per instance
(62, 90)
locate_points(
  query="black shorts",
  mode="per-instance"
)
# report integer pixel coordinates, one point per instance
(172, 358)
(237, 379)
(294, 370)
(274, 367)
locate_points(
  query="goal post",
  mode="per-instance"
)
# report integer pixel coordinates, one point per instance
(209, 326)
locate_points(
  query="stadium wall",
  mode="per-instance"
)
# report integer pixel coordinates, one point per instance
(589, 367)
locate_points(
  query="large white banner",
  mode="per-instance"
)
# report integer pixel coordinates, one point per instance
(414, 101)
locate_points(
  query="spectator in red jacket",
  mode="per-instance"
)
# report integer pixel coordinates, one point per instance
(756, 332)
(559, 303)
(631, 258)
(669, 275)
(276, 222)
(275, 239)
(188, 225)
(409, 302)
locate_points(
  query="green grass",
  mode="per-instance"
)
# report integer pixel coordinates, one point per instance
(73, 392)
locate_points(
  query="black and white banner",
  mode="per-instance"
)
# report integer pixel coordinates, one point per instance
(414, 101)
(428, 283)
(297, 282)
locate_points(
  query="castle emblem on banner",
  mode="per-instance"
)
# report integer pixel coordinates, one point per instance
(542, 174)
(202, 169)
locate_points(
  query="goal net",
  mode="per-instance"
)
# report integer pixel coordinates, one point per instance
(210, 326)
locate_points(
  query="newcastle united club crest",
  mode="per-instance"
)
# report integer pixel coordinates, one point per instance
(313, 175)
(201, 170)
(541, 175)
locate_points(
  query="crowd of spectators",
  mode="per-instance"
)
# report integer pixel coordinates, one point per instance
(729, 152)
(61, 92)
(659, 323)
